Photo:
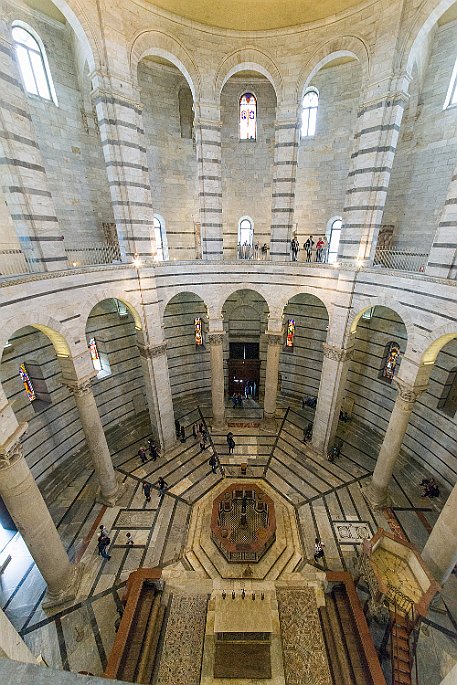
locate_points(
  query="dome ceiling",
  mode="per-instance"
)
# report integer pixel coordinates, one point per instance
(256, 15)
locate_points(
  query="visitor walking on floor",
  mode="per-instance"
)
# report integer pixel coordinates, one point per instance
(129, 539)
(103, 542)
(147, 491)
(163, 485)
(213, 463)
(153, 453)
(142, 455)
(318, 549)
(231, 445)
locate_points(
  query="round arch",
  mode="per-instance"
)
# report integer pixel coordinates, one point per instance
(58, 334)
(248, 59)
(157, 44)
(343, 46)
(435, 344)
(389, 303)
(94, 299)
(82, 26)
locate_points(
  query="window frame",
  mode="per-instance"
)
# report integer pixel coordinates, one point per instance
(332, 229)
(41, 52)
(251, 228)
(451, 95)
(309, 109)
(252, 95)
(162, 249)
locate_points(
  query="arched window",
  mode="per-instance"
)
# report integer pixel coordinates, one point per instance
(309, 113)
(451, 95)
(161, 238)
(334, 240)
(245, 231)
(248, 117)
(33, 62)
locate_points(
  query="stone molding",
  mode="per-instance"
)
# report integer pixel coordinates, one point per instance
(148, 352)
(10, 455)
(275, 339)
(215, 338)
(337, 354)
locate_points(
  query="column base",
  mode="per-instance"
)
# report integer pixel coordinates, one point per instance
(113, 499)
(375, 498)
(269, 423)
(68, 593)
(218, 423)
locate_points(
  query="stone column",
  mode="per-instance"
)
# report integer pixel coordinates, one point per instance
(376, 140)
(158, 392)
(207, 127)
(33, 520)
(442, 260)
(24, 179)
(120, 120)
(284, 178)
(376, 492)
(215, 341)
(275, 343)
(95, 440)
(335, 369)
(440, 551)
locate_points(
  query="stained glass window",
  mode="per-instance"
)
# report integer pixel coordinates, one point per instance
(28, 386)
(290, 333)
(198, 331)
(248, 117)
(95, 355)
(391, 361)
(309, 113)
(33, 62)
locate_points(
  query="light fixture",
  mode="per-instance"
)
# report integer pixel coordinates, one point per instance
(136, 262)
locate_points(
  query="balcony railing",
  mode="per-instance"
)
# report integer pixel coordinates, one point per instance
(15, 260)
(401, 260)
(93, 254)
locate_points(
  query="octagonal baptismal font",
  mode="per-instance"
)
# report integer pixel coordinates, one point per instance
(243, 523)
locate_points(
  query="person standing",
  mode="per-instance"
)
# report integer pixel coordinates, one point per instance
(256, 249)
(142, 455)
(309, 248)
(231, 445)
(129, 539)
(319, 248)
(229, 437)
(213, 463)
(264, 251)
(163, 485)
(102, 531)
(103, 542)
(147, 491)
(318, 549)
(294, 246)
(152, 450)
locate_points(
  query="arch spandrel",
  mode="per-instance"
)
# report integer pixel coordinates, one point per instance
(435, 342)
(397, 308)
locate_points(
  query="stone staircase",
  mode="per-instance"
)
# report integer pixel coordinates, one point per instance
(253, 448)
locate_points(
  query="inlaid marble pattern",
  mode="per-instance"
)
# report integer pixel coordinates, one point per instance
(136, 518)
(305, 660)
(180, 663)
(354, 532)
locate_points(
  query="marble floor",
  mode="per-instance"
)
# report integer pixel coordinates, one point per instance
(326, 498)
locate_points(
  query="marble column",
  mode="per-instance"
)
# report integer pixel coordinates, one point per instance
(376, 138)
(207, 127)
(275, 344)
(158, 392)
(377, 491)
(96, 441)
(440, 551)
(24, 178)
(442, 260)
(335, 368)
(29, 512)
(284, 178)
(120, 119)
(216, 347)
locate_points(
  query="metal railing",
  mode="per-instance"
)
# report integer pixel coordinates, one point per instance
(16, 259)
(401, 260)
(92, 254)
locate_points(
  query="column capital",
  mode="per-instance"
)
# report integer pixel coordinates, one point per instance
(337, 354)
(215, 338)
(152, 351)
(274, 338)
(11, 450)
(79, 388)
(407, 393)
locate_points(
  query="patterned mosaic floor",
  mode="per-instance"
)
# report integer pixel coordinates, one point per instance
(328, 501)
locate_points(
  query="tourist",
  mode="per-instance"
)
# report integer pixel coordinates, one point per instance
(153, 453)
(129, 540)
(264, 251)
(431, 488)
(319, 249)
(163, 485)
(307, 433)
(102, 531)
(229, 437)
(103, 542)
(213, 463)
(308, 245)
(318, 549)
(231, 445)
(147, 491)
(294, 247)
(142, 455)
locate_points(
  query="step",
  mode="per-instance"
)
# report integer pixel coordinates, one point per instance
(331, 647)
(347, 676)
(351, 637)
